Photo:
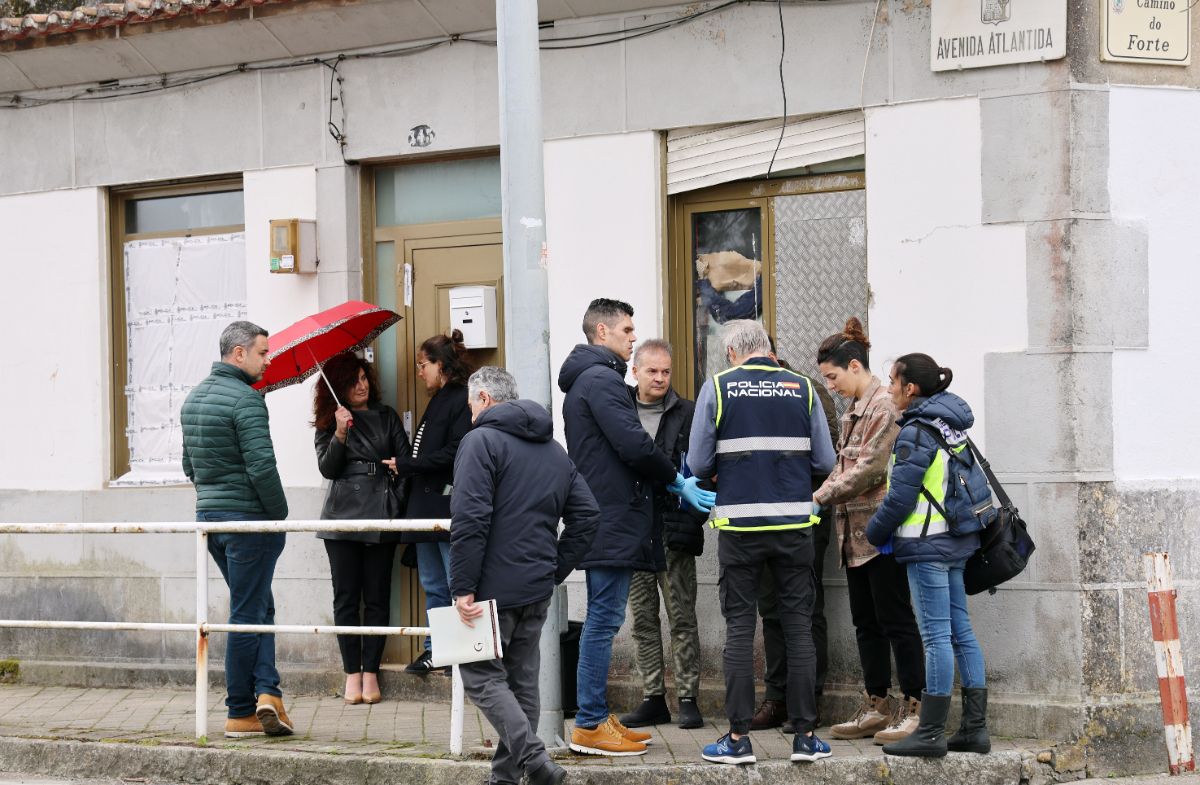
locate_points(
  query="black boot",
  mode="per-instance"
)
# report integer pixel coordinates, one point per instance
(549, 773)
(929, 739)
(689, 714)
(653, 711)
(972, 734)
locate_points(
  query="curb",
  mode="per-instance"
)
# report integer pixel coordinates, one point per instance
(182, 764)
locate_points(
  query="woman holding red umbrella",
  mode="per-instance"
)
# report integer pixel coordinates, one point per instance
(443, 366)
(357, 441)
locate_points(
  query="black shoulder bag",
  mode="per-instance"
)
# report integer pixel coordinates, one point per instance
(1004, 546)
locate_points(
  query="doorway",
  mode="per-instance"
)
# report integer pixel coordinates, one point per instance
(430, 260)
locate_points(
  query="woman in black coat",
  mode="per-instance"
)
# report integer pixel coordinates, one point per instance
(442, 366)
(357, 445)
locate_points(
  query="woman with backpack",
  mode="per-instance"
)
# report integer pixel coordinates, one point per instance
(938, 501)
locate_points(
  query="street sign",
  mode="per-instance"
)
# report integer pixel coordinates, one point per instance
(1157, 32)
(981, 33)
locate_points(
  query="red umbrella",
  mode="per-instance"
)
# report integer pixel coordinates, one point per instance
(298, 352)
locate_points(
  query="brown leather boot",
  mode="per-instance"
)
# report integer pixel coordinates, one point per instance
(874, 714)
(771, 714)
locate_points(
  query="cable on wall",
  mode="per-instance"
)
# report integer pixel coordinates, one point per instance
(782, 87)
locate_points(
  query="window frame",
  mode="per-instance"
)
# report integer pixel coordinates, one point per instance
(118, 197)
(679, 309)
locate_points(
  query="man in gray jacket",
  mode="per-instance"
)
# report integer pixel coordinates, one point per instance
(512, 484)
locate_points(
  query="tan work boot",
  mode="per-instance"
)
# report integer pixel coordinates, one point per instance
(873, 715)
(907, 718)
(632, 735)
(274, 719)
(604, 739)
(240, 727)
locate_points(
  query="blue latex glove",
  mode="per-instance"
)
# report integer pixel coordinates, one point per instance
(676, 486)
(886, 548)
(693, 494)
(816, 509)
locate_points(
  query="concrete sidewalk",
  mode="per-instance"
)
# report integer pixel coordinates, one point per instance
(148, 735)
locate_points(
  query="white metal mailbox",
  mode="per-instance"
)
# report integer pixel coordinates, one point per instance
(473, 310)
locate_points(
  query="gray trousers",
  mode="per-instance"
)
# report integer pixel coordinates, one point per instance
(506, 691)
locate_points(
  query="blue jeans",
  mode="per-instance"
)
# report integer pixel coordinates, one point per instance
(247, 563)
(433, 568)
(940, 605)
(607, 593)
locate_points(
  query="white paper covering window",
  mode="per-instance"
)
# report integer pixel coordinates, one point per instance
(180, 293)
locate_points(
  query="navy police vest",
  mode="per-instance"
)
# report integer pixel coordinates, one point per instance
(764, 468)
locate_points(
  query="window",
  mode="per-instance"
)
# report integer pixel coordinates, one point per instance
(179, 276)
(789, 253)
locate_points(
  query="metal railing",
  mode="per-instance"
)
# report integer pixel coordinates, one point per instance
(202, 628)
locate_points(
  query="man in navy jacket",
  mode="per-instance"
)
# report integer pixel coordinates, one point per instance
(512, 484)
(621, 464)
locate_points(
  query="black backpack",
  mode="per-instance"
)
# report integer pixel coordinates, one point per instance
(1004, 545)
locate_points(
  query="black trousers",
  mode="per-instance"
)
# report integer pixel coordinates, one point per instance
(773, 642)
(362, 574)
(884, 625)
(743, 558)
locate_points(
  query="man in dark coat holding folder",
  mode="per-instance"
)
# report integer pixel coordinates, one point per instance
(513, 483)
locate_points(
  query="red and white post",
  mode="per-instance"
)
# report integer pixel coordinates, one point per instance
(1168, 655)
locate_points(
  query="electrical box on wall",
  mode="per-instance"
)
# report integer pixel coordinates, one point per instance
(293, 245)
(473, 310)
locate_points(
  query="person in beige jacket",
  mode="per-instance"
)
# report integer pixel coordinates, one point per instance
(884, 624)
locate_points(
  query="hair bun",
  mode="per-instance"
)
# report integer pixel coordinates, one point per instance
(456, 336)
(853, 331)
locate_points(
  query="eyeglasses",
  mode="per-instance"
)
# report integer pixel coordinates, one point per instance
(421, 365)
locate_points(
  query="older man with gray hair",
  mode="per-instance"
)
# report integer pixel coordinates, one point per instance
(512, 484)
(759, 429)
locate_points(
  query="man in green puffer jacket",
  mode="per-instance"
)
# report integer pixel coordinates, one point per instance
(227, 454)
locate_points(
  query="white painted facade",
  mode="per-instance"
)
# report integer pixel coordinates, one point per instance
(1158, 185)
(930, 259)
(604, 218)
(55, 310)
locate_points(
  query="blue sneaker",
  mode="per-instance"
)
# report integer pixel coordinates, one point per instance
(809, 748)
(726, 750)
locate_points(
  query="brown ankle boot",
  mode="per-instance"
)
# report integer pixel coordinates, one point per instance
(771, 714)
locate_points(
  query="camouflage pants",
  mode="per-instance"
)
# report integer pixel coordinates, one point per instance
(678, 587)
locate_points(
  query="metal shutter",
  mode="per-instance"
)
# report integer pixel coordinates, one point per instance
(700, 157)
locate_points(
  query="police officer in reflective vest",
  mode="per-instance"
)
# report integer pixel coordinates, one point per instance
(761, 432)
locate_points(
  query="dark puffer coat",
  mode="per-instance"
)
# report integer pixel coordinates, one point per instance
(227, 450)
(912, 455)
(614, 454)
(514, 483)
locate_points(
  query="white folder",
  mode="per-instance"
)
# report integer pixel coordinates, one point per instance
(455, 643)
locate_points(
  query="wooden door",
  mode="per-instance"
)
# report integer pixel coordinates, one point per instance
(437, 264)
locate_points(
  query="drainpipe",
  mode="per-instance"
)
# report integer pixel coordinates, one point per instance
(526, 309)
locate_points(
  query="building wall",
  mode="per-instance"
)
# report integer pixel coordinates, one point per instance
(275, 301)
(1157, 185)
(603, 229)
(55, 309)
(941, 282)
